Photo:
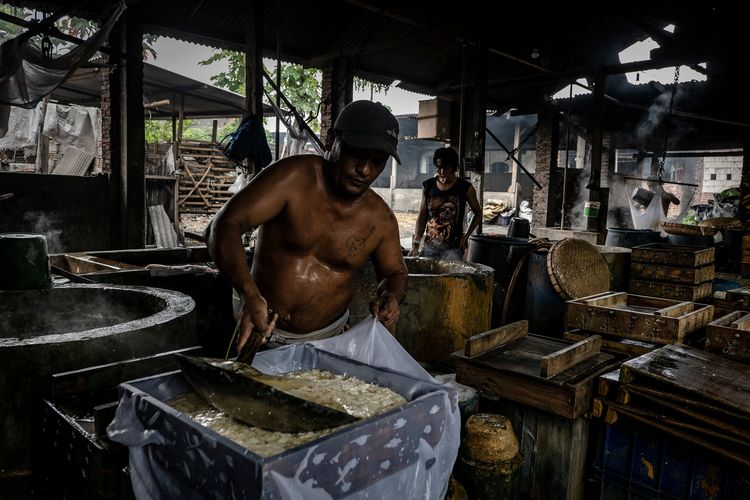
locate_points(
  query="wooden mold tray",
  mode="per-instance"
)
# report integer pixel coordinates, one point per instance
(650, 319)
(674, 255)
(672, 274)
(676, 291)
(553, 375)
(729, 336)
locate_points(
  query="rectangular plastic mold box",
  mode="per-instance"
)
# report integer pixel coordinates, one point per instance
(346, 461)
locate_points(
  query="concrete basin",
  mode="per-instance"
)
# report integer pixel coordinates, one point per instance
(67, 328)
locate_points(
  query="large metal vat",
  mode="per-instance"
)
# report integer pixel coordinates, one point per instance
(503, 254)
(67, 328)
(447, 301)
(629, 238)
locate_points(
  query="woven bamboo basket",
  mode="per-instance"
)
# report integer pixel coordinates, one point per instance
(576, 269)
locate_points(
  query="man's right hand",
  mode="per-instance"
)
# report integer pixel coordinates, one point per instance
(256, 317)
(414, 252)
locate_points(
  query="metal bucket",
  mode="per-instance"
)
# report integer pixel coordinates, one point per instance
(503, 255)
(629, 238)
(618, 262)
(545, 309)
(23, 262)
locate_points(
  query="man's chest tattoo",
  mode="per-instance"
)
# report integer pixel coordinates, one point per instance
(354, 243)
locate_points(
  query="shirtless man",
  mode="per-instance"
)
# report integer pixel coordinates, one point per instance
(319, 222)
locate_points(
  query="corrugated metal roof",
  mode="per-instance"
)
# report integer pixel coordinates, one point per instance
(200, 99)
(419, 42)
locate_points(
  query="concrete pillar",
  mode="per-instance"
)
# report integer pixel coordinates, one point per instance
(545, 200)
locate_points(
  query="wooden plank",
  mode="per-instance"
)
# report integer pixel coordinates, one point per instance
(706, 375)
(675, 310)
(635, 396)
(607, 383)
(479, 344)
(715, 410)
(559, 361)
(606, 298)
(621, 346)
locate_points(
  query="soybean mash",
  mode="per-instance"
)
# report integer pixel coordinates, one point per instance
(348, 394)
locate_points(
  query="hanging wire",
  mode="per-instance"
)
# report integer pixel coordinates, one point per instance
(660, 171)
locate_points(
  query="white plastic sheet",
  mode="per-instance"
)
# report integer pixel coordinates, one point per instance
(653, 216)
(369, 343)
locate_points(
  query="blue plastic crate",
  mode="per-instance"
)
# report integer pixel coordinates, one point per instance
(642, 463)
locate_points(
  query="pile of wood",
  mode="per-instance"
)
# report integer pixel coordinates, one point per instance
(205, 177)
(685, 392)
(672, 271)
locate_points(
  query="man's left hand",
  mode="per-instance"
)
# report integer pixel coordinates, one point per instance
(386, 309)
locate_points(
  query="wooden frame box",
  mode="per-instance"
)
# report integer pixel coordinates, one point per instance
(672, 274)
(651, 319)
(674, 291)
(729, 336)
(673, 255)
(513, 371)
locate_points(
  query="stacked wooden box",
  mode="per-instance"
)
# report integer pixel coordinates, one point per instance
(634, 324)
(729, 336)
(745, 263)
(672, 271)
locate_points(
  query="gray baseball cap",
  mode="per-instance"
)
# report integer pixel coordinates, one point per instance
(368, 125)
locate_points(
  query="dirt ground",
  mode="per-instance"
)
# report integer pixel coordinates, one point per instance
(196, 223)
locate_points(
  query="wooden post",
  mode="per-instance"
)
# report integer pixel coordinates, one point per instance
(181, 118)
(473, 116)
(514, 167)
(597, 137)
(214, 129)
(132, 135)
(254, 64)
(42, 142)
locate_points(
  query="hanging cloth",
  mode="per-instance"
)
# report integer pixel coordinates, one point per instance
(27, 76)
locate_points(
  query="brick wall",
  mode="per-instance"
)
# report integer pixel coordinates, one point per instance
(326, 108)
(106, 122)
(544, 170)
(721, 172)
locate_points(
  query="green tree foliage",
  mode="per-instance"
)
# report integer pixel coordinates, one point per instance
(74, 26)
(300, 85)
